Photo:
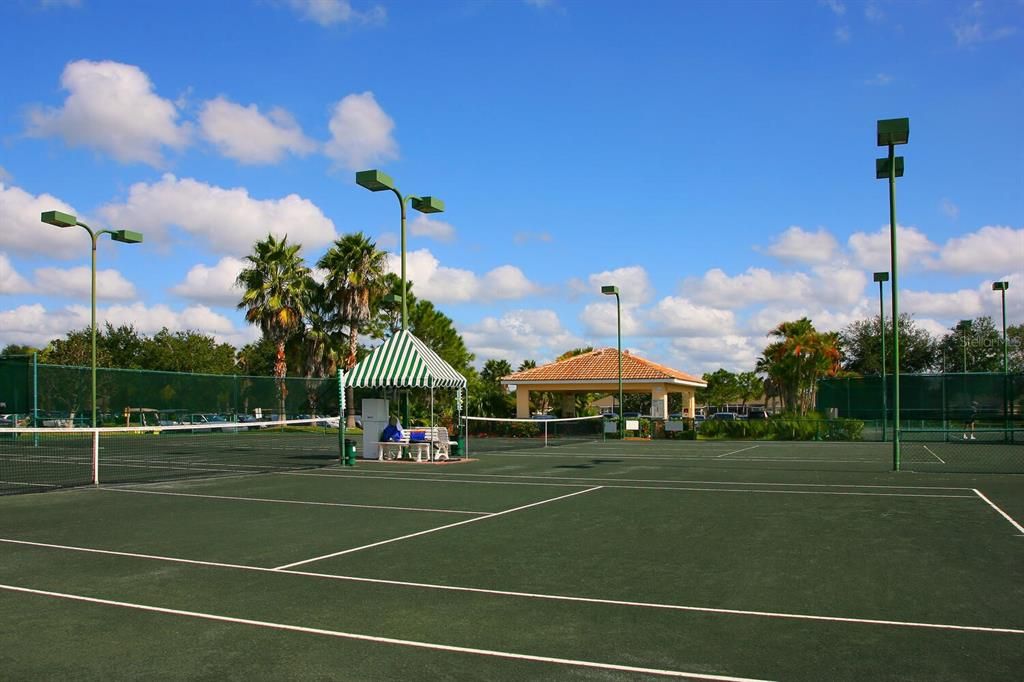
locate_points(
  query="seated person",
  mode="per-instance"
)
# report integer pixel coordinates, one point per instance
(392, 432)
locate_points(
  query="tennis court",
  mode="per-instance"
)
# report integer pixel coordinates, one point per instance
(604, 560)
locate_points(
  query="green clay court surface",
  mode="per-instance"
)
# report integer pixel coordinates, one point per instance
(605, 561)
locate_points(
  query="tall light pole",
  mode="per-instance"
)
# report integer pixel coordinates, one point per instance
(891, 132)
(376, 181)
(125, 236)
(613, 290)
(881, 277)
(1002, 287)
(965, 327)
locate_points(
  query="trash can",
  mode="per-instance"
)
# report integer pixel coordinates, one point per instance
(453, 447)
(349, 453)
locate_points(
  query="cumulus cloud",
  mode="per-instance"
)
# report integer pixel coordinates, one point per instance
(699, 354)
(111, 107)
(801, 246)
(520, 334)
(871, 251)
(22, 232)
(422, 226)
(77, 283)
(442, 284)
(229, 220)
(756, 285)
(677, 316)
(361, 133)
(992, 248)
(634, 284)
(331, 12)
(600, 319)
(10, 281)
(215, 285)
(248, 136)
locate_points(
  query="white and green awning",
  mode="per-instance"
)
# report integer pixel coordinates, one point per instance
(403, 361)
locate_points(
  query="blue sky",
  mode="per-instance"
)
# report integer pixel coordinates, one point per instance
(714, 160)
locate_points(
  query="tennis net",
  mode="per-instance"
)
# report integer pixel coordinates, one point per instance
(492, 434)
(38, 459)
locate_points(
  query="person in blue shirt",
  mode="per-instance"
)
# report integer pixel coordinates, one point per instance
(392, 432)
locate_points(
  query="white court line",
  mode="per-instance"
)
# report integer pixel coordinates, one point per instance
(933, 454)
(299, 502)
(381, 640)
(733, 452)
(532, 595)
(34, 485)
(434, 530)
(421, 479)
(433, 475)
(1004, 514)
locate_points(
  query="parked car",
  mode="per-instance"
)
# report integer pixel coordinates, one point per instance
(757, 414)
(725, 416)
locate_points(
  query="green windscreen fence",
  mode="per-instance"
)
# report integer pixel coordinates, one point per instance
(60, 395)
(928, 401)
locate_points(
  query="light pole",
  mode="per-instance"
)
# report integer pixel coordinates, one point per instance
(126, 236)
(891, 132)
(1002, 287)
(965, 327)
(881, 277)
(613, 290)
(376, 181)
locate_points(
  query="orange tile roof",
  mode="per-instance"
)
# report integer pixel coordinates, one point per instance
(601, 365)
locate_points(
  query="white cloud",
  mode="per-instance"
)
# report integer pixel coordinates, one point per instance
(837, 6)
(77, 283)
(699, 354)
(633, 282)
(799, 245)
(213, 285)
(871, 251)
(111, 107)
(441, 284)
(246, 135)
(676, 316)
(518, 335)
(4, 175)
(837, 284)
(964, 303)
(361, 133)
(599, 319)
(331, 12)
(990, 249)
(22, 231)
(879, 79)
(10, 281)
(229, 220)
(756, 285)
(423, 226)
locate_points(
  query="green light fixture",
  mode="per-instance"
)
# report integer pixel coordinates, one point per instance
(61, 219)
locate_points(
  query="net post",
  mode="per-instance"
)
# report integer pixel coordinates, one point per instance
(545, 434)
(95, 457)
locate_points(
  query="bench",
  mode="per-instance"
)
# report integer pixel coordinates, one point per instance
(433, 445)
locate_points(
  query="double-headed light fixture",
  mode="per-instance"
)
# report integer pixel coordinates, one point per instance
(124, 236)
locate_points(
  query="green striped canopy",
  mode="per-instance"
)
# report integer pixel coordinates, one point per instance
(403, 361)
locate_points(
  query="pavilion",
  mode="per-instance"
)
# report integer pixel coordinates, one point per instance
(598, 372)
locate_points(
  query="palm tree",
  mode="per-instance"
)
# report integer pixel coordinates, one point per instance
(321, 342)
(355, 276)
(794, 364)
(274, 285)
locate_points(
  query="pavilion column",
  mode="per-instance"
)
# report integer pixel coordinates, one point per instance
(692, 402)
(659, 402)
(523, 402)
(568, 404)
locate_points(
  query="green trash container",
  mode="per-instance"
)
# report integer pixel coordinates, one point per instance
(349, 453)
(453, 446)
